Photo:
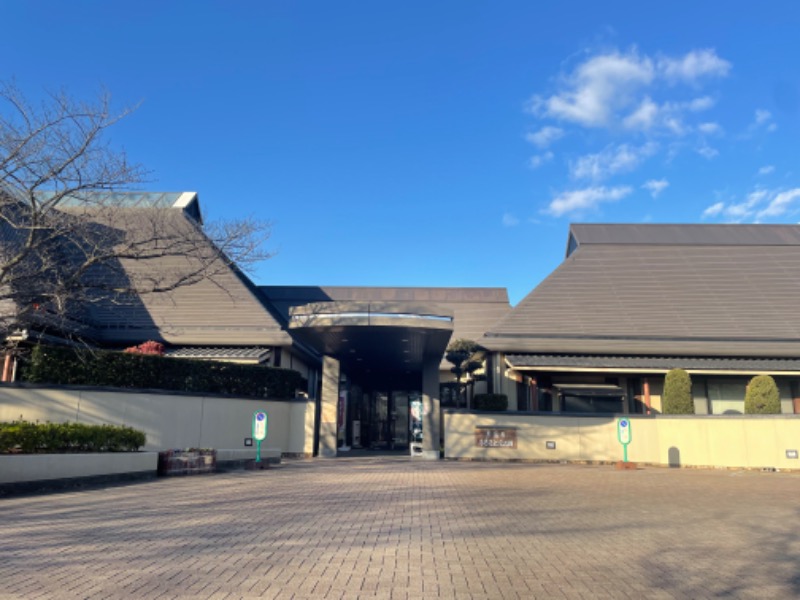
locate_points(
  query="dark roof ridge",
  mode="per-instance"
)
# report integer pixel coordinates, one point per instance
(684, 234)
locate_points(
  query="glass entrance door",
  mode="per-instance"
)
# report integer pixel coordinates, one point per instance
(399, 428)
(379, 422)
(389, 423)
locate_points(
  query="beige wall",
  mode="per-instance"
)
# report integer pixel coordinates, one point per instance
(169, 421)
(38, 467)
(735, 441)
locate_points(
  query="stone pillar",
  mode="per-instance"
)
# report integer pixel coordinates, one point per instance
(330, 406)
(431, 409)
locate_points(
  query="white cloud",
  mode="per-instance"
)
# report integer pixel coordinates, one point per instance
(700, 104)
(714, 210)
(656, 186)
(578, 201)
(616, 89)
(693, 66)
(644, 117)
(668, 115)
(540, 159)
(510, 220)
(545, 136)
(707, 151)
(759, 204)
(675, 125)
(596, 88)
(762, 118)
(620, 159)
(709, 128)
(781, 204)
(766, 170)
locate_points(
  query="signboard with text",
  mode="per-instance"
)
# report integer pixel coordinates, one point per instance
(496, 437)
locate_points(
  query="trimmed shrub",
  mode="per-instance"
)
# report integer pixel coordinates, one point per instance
(30, 438)
(677, 398)
(490, 402)
(762, 397)
(66, 366)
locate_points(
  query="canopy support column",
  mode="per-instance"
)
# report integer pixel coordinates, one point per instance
(431, 420)
(330, 406)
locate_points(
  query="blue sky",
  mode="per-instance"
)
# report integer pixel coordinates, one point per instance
(437, 143)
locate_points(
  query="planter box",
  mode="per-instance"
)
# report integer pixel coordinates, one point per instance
(18, 468)
(229, 459)
(187, 462)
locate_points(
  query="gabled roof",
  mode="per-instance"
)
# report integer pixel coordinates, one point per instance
(705, 290)
(649, 234)
(220, 309)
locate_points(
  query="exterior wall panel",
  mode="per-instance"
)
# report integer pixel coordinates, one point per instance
(729, 442)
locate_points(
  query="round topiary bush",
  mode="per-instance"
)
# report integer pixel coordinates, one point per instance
(677, 397)
(762, 397)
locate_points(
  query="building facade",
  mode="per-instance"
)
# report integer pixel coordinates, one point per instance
(598, 335)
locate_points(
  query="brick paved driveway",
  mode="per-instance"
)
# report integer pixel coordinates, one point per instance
(389, 528)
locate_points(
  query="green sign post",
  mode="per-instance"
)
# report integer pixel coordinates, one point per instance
(259, 431)
(624, 435)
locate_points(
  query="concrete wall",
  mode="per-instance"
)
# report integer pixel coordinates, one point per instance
(170, 421)
(707, 441)
(39, 467)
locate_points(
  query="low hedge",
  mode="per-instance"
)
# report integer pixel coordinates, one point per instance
(67, 366)
(490, 402)
(31, 438)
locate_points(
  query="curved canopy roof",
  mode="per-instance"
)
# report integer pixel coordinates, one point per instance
(374, 337)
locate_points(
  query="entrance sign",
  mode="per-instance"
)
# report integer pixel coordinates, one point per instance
(259, 431)
(624, 435)
(496, 437)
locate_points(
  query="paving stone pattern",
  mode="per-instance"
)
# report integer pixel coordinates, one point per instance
(396, 528)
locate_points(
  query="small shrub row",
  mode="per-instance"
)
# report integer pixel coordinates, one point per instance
(490, 402)
(30, 438)
(67, 366)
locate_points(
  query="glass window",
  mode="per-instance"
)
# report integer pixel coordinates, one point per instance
(726, 396)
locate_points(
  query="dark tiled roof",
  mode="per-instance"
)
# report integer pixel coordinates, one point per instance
(664, 363)
(661, 300)
(687, 234)
(214, 310)
(220, 353)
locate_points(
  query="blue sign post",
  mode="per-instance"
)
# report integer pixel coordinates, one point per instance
(259, 431)
(624, 435)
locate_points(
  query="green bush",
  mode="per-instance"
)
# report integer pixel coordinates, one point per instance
(677, 398)
(762, 397)
(30, 438)
(67, 366)
(490, 402)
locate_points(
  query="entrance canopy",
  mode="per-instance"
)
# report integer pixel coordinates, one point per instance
(372, 338)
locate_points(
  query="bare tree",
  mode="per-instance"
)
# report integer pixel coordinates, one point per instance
(70, 239)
